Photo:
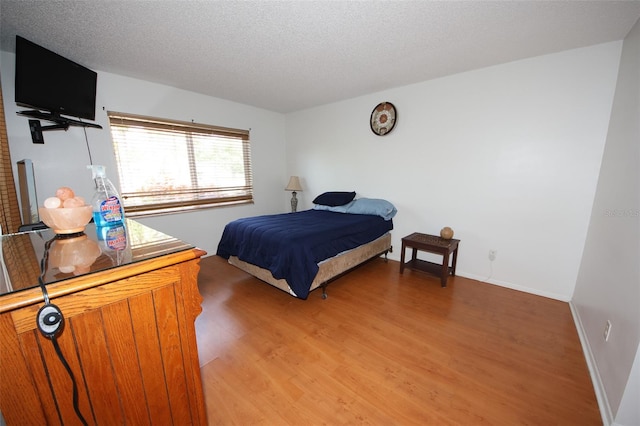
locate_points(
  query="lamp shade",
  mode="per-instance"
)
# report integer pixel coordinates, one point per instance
(294, 184)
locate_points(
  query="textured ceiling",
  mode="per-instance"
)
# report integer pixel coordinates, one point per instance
(290, 55)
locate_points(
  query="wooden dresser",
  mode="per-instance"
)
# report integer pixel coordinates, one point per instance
(128, 331)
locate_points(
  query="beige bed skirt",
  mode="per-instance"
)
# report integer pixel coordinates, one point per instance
(329, 268)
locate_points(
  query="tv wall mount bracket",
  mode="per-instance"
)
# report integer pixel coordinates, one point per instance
(61, 123)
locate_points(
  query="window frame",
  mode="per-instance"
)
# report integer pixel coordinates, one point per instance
(186, 199)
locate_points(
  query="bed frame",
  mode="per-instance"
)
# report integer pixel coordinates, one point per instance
(329, 269)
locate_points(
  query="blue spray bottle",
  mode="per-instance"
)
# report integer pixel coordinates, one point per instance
(107, 208)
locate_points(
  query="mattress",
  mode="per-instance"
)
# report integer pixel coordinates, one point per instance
(328, 269)
(292, 245)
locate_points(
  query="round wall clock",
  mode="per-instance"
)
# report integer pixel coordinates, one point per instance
(383, 118)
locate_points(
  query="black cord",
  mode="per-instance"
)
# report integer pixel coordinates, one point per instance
(86, 139)
(73, 379)
(43, 267)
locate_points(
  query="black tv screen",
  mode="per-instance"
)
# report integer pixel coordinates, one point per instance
(47, 81)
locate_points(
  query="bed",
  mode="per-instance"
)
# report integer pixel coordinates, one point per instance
(299, 252)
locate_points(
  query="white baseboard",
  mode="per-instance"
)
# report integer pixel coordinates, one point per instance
(555, 296)
(601, 396)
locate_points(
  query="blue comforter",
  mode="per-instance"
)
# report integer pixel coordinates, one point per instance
(290, 245)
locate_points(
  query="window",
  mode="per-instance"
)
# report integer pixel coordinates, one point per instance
(167, 166)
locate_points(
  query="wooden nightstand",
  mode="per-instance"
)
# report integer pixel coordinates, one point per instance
(430, 244)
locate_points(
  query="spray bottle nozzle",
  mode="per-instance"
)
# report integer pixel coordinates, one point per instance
(97, 171)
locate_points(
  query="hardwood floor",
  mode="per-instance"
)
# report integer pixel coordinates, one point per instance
(388, 349)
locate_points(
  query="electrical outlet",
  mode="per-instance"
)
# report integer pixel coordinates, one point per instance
(607, 331)
(493, 254)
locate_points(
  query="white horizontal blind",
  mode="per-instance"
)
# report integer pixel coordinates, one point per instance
(167, 166)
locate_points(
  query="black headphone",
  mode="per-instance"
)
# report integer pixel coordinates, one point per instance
(50, 322)
(49, 318)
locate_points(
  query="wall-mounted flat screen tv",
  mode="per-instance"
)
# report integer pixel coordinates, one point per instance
(46, 81)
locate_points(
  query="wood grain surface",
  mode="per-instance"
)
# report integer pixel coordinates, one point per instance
(388, 349)
(129, 338)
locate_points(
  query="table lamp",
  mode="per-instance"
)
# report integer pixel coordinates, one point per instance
(294, 185)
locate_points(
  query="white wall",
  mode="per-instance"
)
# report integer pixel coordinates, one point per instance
(608, 284)
(629, 411)
(62, 160)
(508, 156)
